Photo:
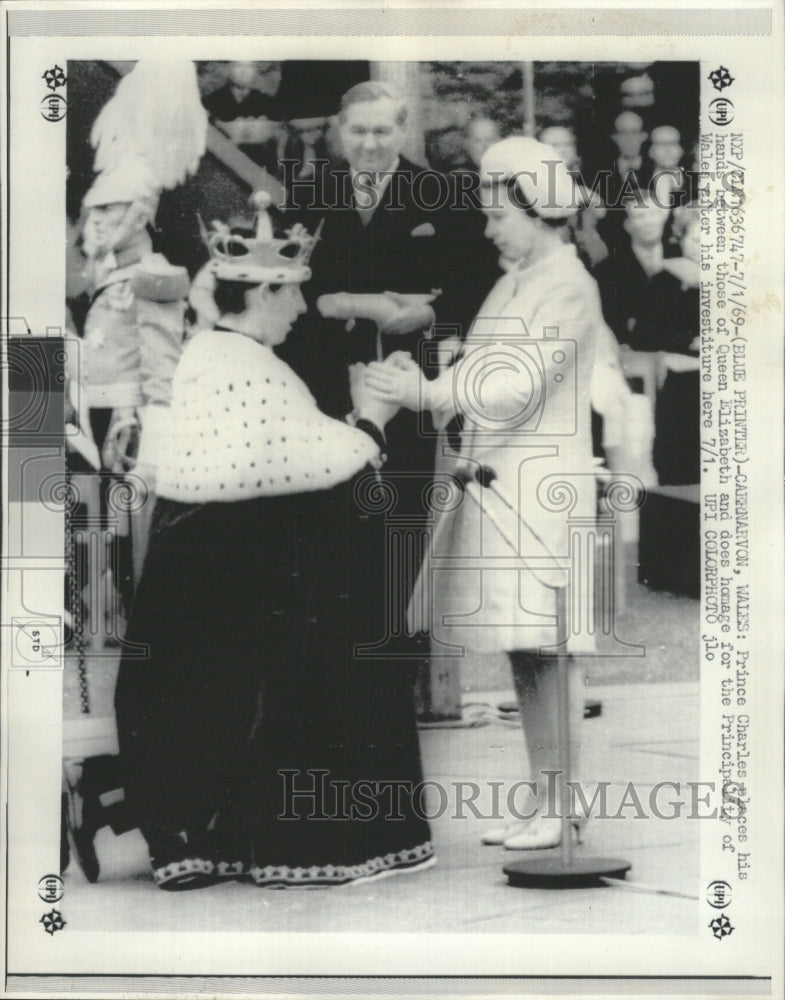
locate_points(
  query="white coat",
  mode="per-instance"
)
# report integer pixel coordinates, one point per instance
(522, 384)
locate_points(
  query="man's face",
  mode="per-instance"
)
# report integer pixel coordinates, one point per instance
(271, 74)
(646, 224)
(629, 135)
(104, 220)
(242, 74)
(691, 241)
(371, 137)
(563, 141)
(666, 151)
(481, 135)
(278, 311)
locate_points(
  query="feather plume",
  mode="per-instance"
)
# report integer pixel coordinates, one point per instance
(155, 113)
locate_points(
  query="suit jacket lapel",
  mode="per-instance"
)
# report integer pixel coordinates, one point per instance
(397, 192)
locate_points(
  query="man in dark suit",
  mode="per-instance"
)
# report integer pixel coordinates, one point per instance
(625, 277)
(389, 226)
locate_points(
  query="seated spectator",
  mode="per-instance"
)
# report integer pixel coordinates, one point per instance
(667, 175)
(668, 322)
(627, 273)
(583, 226)
(628, 173)
(668, 319)
(481, 134)
(306, 145)
(445, 150)
(457, 152)
(628, 138)
(563, 141)
(247, 116)
(270, 76)
(306, 149)
(637, 91)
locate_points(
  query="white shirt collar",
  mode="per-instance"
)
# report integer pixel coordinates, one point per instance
(649, 258)
(625, 163)
(382, 179)
(385, 174)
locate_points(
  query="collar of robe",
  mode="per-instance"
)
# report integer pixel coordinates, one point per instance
(242, 424)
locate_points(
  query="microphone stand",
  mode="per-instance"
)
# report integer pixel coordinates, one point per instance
(542, 868)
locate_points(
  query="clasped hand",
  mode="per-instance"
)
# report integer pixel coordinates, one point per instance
(122, 440)
(398, 380)
(367, 405)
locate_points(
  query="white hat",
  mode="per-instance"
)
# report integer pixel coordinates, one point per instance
(539, 172)
(130, 180)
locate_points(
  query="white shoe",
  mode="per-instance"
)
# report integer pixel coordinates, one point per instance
(542, 834)
(501, 833)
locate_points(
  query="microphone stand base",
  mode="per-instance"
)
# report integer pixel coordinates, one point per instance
(549, 871)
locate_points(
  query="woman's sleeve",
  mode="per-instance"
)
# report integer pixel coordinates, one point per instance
(440, 397)
(494, 382)
(497, 380)
(567, 312)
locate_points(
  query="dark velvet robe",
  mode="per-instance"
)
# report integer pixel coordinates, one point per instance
(239, 665)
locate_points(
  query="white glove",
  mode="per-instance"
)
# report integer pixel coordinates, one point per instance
(367, 405)
(398, 380)
(122, 440)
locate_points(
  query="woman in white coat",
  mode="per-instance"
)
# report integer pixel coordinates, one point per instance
(517, 401)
